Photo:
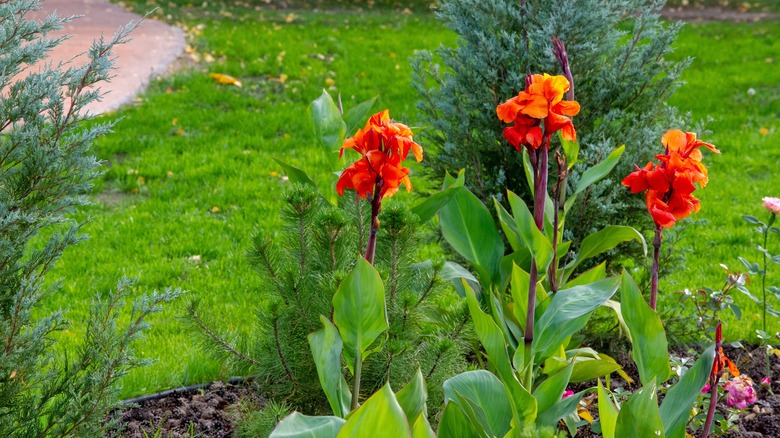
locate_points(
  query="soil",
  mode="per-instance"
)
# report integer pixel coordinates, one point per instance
(762, 419)
(205, 412)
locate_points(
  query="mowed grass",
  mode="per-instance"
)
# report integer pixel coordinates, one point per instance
(190, 170)
(735, 79)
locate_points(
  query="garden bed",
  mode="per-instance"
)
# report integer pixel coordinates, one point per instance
(207, 411)
(212, 410)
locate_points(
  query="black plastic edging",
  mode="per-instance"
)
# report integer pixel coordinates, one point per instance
(182, 390)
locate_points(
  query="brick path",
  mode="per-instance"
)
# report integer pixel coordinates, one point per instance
(152, 50)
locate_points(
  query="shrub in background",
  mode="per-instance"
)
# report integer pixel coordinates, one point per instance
(45, 169)
(622, 80)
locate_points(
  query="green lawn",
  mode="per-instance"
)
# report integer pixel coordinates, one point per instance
(190, 169)
(730, 61)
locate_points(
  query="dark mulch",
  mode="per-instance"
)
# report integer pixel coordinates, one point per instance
(207, 412)
(759, 420)
(763, 418)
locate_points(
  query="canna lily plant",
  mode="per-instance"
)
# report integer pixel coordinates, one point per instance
(527, 302)
(669, 187)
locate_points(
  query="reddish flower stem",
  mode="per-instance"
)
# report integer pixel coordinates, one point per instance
(711, 411)
(714, 378)
(376, 206)
(540, 192)
(559, 196)
(654, 272)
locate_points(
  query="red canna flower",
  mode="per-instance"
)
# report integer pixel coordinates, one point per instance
(383, 145)
(670, 184)
(541, 101)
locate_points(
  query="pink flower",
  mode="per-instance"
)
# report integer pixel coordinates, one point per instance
(740, 392)
(766, 381)
(567, 393)
(706, 388)
(772, 204)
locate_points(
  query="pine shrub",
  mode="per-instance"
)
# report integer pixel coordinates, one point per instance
(618, 52)
(45, 170)
(302, 268)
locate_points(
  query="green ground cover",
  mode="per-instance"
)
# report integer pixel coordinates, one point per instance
(190, 175)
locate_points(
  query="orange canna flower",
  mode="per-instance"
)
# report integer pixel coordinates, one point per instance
(722, 362)
(541, 101)
(671, 183)
(383, 145)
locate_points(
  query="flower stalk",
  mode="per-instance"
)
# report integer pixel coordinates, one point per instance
(657, 240)
(376, 207)
(717, 369)
(383, 145)
(559, 191)
(766, 228)
(540, 191)
(559, 199)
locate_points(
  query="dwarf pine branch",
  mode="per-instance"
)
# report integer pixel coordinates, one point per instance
(301, 269)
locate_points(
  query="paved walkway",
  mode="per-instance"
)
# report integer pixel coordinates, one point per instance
(152, 50)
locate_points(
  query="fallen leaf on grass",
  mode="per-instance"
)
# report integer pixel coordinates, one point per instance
(224, 79)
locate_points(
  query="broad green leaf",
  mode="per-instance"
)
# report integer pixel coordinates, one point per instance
(528, 170)
(521, 258)
(412, 397)
(615, 306)
(607, 412)
(428, 208)
(422, 428)
(571, 148)
(601, 241)
(450, 182)
(326, 348)
(381, 415)
(568, 312)
(296, 175)
(356, 116)
(510, 228)
(530, 235)
(519, 288)
(329, 127)
(454, 423)
(297, 425)
(359, 310)
(502, 313)
(457, 274)
(678, 402)
(587, 369)
(493, 340)
(467, 225)
(549, 392)
(649, 346)
(639, 416)
(598, 272)
(595, 173)
(490, 336)
(560, 409)
(482, 398)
